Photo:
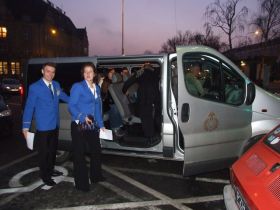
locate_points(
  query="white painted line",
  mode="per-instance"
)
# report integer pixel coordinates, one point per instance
(145, 188)
(128, 205)
(8, 199)
(201, 199)
(22, 189)
(120, 191)
(170, 175)
(149, 204)
(18, 160)
(218, 181)
(15, 180)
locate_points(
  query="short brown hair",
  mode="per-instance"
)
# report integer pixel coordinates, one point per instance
(89, 64)
(49, 64)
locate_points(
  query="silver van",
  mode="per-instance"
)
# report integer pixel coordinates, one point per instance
(207, 131)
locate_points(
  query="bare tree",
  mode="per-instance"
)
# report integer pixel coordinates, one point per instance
(268, 21)
(226, 17)
(188, 38)
(180, 39)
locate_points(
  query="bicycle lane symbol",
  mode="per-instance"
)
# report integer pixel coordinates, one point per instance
(17, 187)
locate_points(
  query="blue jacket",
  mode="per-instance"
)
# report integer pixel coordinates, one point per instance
(43, 105)
(82, 103)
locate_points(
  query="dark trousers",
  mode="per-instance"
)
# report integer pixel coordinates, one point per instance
(46, 144)
(82, 140)
(147, 119)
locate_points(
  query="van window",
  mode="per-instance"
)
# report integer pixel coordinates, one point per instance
(212, 79)
(66, 74)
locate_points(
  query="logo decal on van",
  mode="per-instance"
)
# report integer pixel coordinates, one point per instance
(211, 123)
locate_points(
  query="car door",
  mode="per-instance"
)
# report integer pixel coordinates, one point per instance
(213, 117)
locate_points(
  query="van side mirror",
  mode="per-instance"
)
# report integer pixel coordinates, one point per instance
(251, 93)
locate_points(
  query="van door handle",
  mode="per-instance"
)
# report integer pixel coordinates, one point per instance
(275, 167)
(185, 114)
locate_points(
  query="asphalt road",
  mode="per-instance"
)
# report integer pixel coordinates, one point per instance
(131, 183)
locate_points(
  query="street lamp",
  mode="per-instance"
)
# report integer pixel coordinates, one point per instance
(122, 27)
(257, 32)
(53, 31)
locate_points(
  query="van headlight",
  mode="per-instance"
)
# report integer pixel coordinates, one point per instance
(6, 113)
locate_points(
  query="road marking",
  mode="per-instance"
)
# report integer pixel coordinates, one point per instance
(170, 175)
(15, 180)
(145, 188)
(150, 204)
(17, 187)
(201, 199)
(201, 179)
(18, 160)
(120, 191)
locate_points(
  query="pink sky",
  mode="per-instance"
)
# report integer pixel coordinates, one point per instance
(148, 23)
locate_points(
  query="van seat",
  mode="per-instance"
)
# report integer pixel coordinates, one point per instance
(122, 103)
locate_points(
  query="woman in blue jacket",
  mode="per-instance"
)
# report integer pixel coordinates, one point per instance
(85, 108)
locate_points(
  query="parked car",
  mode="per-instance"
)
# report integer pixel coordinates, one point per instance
(11, 85)
(6, 123)
(255, 177)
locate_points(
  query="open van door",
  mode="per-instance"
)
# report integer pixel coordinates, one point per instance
(212, 112)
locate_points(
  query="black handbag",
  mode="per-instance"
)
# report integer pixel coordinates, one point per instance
(88, 127)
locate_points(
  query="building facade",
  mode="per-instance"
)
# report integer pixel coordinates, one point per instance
(260, 62)
(36, 28)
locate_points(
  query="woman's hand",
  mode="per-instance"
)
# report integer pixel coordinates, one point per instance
(88, 121)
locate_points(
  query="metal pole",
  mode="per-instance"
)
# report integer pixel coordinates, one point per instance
(122, 27)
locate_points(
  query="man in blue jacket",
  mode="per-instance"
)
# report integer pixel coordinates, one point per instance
(43, 103)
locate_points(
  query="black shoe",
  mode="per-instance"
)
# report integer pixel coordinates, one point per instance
(49, 182)
(56, 173)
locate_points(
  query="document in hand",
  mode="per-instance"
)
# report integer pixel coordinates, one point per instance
(30, 140)
(106, 134)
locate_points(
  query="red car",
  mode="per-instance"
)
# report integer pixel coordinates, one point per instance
(255, 177)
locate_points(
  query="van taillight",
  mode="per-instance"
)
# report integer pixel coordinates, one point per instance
(21, 90)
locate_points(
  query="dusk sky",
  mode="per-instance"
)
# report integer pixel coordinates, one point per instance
(148, 23)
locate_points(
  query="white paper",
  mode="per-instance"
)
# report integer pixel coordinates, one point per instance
(30, 140)
(106, 134)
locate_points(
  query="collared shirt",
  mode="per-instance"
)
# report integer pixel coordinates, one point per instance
(92, 89)
(48, 83)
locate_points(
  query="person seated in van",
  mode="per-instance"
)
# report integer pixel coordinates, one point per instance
(192, 82)
(125, 74)
(109, 105)
(100, 78)
(148, 99)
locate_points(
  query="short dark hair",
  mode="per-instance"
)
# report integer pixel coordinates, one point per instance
(49, 64)
(88, 64)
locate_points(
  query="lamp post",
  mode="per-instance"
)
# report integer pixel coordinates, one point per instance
(122, 27)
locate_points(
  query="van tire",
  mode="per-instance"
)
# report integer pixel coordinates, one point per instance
(251, 142)
(62, 156)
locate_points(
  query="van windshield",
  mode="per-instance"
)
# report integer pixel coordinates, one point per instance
(273, 140)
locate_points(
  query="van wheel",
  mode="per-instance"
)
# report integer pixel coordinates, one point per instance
(251, 142)
(62, 156)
